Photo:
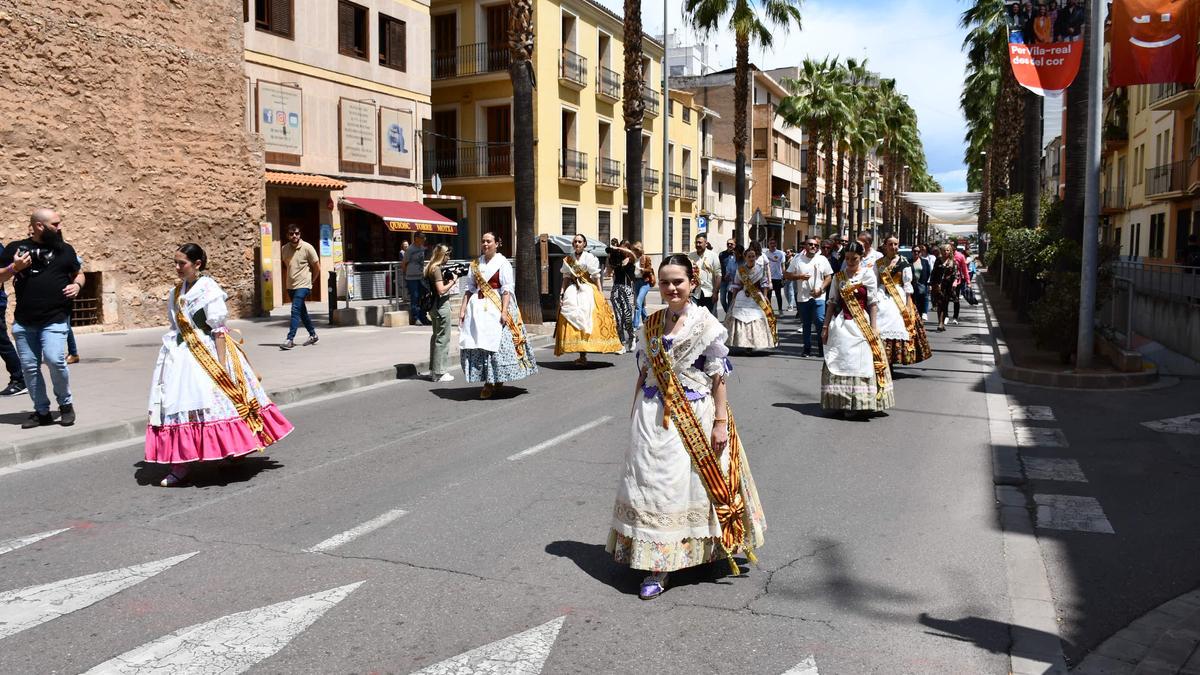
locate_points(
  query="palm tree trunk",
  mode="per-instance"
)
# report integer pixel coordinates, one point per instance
(1075, 130)
(829, 157)
(841, 185)
(865, 210)
(853, 195)
(985, 196)
(886, 196)
(634, 109)
(741, 103)
(520, 42)
(1031, 155)
(810, 199)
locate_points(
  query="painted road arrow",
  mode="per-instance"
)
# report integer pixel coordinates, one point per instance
(25, 608)
(521, 654)
(1188, 424)
(230, 644)
(806, 667)
(20, 542)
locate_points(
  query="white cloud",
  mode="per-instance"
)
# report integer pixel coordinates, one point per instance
(952, 181)
(916, 42)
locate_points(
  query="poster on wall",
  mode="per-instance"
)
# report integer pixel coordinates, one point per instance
(1045, 43)
(397, 144)
(1153, 42)
(281, 118)
(356, 134)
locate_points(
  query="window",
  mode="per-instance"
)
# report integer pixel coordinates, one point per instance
(605, 225)
(671, 108)
(670, 235)
(568, 221)
(1158, 230)
(273, 16)
(687, 115)
(393, 41)
(720, 189)
(677, 71)
(352, 30)
(687, 230)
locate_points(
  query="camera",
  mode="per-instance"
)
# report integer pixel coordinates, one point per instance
(455, 269)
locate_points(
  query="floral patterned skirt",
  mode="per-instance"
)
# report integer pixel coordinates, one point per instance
(480, 365)
(846, 392)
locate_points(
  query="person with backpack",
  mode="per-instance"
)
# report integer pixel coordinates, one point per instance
(441, 283)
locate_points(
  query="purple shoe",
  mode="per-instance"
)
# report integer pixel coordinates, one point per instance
(653, 586)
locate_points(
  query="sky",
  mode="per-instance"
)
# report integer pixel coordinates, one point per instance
(916, 42)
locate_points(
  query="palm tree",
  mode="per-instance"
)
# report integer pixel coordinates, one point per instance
(520, 45)
(852, 94)
(742, 17)
(634, 108)
(810, 106)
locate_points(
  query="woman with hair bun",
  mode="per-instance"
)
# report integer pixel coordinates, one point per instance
(686, 496)
(492, 344)
(206, 402)
(751, 321)
(585, 321)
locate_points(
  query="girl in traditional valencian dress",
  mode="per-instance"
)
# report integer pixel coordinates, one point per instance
(900, 325)
(686, 496)
(206, 402)
(492, 343)
(855, 377)
(751, 321)
(585, 321)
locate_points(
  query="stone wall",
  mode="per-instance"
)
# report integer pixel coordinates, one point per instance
(128, 118)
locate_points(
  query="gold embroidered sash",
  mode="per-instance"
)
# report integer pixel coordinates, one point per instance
(581, 274)
(724, 491)
(878, 358)
(514, 323)
(235, 387)
(755, 293)
(898, 296)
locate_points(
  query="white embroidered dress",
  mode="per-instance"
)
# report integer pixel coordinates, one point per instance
(481, 326)
(663, 519)
(579, 302)
(889, 320)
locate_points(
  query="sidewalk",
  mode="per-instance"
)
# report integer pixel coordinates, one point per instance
(111, 382)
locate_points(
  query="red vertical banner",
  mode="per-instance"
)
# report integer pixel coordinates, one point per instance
(1153, 42)
(1045, 45)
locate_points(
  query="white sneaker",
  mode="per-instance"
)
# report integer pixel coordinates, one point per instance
(953, 322)
(445, 377)
(924, 317)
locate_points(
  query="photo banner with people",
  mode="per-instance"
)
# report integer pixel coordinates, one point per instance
(1045, 43)
(1153, 42)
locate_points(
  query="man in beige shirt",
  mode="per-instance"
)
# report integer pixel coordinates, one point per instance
(301, 264)
(708, 266)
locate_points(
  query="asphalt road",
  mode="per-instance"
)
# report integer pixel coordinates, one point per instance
(883, 552)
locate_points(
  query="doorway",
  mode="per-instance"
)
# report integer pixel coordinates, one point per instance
(499, 219)
(307, 214)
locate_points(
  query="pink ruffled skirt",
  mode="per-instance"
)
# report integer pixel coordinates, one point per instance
(213, 439)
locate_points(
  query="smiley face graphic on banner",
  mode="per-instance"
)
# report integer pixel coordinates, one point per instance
(1153, 42)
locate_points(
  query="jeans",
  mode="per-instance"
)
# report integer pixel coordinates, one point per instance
(921, 301)
(8, 353)
(957, 293)
(789, 293)
(47, 342)
(812, 316)
(639, 312)
(415, 290)
(439, 341)
(300, 313)
(725, 297)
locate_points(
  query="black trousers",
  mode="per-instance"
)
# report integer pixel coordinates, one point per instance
(8, 352)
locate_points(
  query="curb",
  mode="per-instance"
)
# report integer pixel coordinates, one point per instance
(1161, 641)
(20, 452)
(1009, 370)
(1035, 647)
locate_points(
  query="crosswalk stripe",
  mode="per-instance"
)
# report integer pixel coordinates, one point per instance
(521, 654)
(1071, 512)
(1038, 413)
(1052, 468)
(230, 644)
(806, 667)
(356, 532)
(20, 542)
(1040, 437)
(34, 605)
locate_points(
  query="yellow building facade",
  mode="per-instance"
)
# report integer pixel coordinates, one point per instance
(579, 128)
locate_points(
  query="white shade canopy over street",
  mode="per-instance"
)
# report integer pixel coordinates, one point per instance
(954, 213)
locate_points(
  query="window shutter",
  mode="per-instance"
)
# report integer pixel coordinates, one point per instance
(281, 17)
(396, 44)
(346, 44)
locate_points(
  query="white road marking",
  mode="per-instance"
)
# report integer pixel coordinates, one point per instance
(1037, 437)
(19, 542)
(1068, 512)
(521, 654)
(230, 644)
(356, 532)
(1042, 468)
(1188, 424)
(27, 607)
(1039, 413)
(806, 667)
(559, 438)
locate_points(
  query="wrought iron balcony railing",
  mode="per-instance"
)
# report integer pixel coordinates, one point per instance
(650, 98)
(573, 166)
(1166, 178)
(573, 68)
(473, 59)
(608, 83)
(469, 161)
(608, 172)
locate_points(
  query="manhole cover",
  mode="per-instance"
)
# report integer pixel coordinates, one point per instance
(100, 359)
(145, 344)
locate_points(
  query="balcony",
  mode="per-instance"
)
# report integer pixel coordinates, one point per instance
(650, 98)
(675, 184)
(572, 69)
(1172, 97)
(1166, 181)
(649, 181)
(1112, 201)
(782, 209)
(480, 58)
(1116, 121)
(691, 189)
(608, 174)
(572, 167)
(469, 161)
(608, 84)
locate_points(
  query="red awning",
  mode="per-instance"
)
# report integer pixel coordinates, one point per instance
(405, 216)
